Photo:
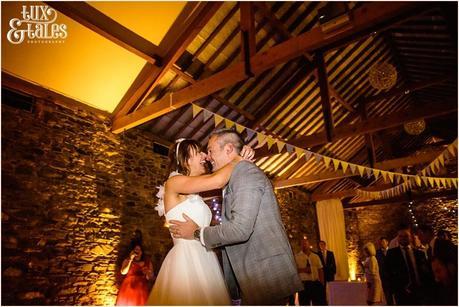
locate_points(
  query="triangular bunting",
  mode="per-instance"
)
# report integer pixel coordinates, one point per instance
(391, 177)
(441, 159)
(361, 169)
(426, 182)
(418, 180)
(454, 181)
(437, 164)
(344, 165)
(228, 123)
(239, 128)
(261, 138)
(196, 110)
(384, 175)
(451, 150)
(443, 182)
(431, 182)
(280, 145)
(376, 172)
(335, 164)
(270, 141)
(250, 133)
(206, 115)
(318, 157)
(298, 151)
(327, 161)
(432, 168)
(218, 119)
(368, 170)
(307, 155)
(437, 182)
(352, 167)
(448, 183)
(290, 148)
(423, 172)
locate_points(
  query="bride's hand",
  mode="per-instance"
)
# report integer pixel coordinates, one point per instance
(247, 153)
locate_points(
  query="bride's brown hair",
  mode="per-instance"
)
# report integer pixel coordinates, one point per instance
(180, 152)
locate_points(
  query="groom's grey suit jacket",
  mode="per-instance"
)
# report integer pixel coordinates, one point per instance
(254, 238)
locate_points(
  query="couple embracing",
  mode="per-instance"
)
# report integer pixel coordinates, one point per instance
(258, 264)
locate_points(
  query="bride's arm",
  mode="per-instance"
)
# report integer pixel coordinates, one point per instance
(196, 184)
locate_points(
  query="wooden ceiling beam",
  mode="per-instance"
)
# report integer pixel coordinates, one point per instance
(422, 158)
(377, 124)
(198, 20)
(363, 17)
(449, 194)
(248, 41)
(324, 95)
(406, 89)
(103, 25)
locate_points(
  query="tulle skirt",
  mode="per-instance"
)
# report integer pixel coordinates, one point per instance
(189, 275)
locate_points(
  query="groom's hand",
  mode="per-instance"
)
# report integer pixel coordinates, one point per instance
(183, 230)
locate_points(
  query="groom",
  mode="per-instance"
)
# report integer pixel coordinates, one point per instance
(257, 257)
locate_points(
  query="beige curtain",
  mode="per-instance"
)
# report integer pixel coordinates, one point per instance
(330, 216)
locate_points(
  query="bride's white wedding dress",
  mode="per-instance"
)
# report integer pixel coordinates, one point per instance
(190, 274)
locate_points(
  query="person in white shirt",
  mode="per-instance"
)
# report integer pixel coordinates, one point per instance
(311, 273)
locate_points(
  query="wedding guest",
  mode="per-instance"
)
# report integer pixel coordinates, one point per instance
(444, 267)
(327, 258)
(374, 285)
(138, 270)
(381, 254)
(311, 274)
(427, 237)
(407, 270)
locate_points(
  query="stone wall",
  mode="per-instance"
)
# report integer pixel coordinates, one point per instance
(72, 195)
(368, 224)
(299, 216)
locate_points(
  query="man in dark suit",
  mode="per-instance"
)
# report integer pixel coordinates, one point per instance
(408, 271)
(381, 254)
(328, 261)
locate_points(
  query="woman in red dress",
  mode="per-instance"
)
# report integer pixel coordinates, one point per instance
(138, 270)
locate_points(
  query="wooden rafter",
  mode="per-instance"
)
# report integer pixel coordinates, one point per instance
(100, 23)
(324, 95)
(384, 165)
(248, 41)
(378, 124)
(365, 16)
(449, 194)
(369, 143)
(200, 17)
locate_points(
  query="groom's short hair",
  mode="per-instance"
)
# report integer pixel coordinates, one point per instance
(229, 136)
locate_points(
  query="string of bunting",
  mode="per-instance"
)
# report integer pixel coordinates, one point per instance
(355, 169)
(411, 182)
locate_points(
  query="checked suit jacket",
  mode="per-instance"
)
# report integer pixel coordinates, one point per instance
(256, 246)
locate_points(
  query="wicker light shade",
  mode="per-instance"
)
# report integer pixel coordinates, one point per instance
(382, 76)
(415, 128)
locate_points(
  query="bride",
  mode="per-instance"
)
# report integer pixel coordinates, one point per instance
(190, 274)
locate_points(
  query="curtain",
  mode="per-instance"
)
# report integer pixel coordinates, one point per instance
(330, 216)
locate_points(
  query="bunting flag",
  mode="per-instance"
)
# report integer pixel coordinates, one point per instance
(196, 110)
(327, 161)
(418, 180)
(368, 170)
(280, 146)
(437, 182)
(206, 115)
(376, 173)
(384, 175)
(443, 182)
(344, 165)
(250, 133)
(361, 169)
(290, 148)
(218, 119)
(441, 159)
(228, 123)
(318, 157)
(451, 150)
(352, 167)
(454, 183)
(431, 181)
(391, 177)
(335, 164)
(270, 141)
(425, 181)
(298, 152)
(261, 138)
(239, 128)
(307, 155)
